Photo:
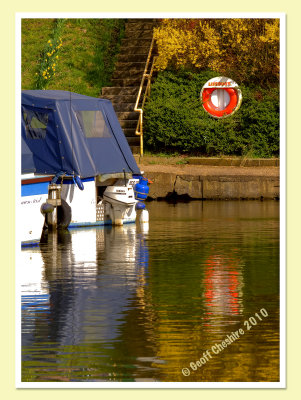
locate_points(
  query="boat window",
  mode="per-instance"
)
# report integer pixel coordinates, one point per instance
(93, 124)
(35, 123)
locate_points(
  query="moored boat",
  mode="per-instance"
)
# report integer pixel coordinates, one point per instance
(77, 167)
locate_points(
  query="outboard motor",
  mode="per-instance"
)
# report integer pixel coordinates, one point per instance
(122, 202)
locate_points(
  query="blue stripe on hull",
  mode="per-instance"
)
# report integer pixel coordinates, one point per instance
(33, 189)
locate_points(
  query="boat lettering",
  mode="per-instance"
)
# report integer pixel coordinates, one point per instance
(32, 201)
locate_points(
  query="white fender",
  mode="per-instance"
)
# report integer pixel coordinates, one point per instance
(144, 216)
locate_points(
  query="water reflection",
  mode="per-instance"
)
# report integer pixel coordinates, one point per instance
(136, 304)
(223, 287)
(81, 268)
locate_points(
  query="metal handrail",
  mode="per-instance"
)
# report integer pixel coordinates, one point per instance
(139, 129)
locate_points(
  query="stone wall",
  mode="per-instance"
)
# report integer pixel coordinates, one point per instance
(213, 187)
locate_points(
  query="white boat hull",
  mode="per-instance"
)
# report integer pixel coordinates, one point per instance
(117, 207)
(34, 193)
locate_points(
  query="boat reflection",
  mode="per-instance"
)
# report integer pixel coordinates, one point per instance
(89, 277)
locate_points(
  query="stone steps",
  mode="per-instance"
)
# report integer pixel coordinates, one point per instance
(127, 81)
(123, 91)
(123, 107)
(127, 76)
(120, 98)
(136, 50)
(142, 34)
(139, 42)
(127, 115)
(131, 136)
(128, 123)
(130, 65)
(132, 57)
(120, 74)
(136, 24)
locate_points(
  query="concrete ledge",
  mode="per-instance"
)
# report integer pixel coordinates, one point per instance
(163, 184)
(213, 187)
(190, 185)
(242, 187)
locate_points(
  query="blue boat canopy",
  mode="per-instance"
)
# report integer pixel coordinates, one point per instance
(72, 133)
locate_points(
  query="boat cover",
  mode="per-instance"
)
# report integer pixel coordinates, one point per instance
(73, 134)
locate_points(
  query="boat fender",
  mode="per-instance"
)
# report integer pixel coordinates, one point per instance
(144, 217)
(140, 206)
(46, 208)
(79, 182)
(144, 227)
(63, 214)
(141, 189)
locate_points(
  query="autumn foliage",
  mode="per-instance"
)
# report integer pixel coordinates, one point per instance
(245, 49)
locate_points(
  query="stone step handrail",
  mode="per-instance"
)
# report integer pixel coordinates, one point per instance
(147, 75)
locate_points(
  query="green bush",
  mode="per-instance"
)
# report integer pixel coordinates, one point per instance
(176, 121)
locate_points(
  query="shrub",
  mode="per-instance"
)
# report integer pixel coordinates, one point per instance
(247, 49)
(176, 121)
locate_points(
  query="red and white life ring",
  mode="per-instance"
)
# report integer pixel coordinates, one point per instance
(221, 97)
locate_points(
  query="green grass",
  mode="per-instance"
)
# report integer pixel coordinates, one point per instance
(35, 33)
(86, 58)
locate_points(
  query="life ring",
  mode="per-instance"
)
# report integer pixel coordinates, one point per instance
(216, 111)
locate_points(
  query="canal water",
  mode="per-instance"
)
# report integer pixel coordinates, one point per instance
(193, 298)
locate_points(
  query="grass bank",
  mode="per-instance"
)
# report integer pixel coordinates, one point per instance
(85, 60)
